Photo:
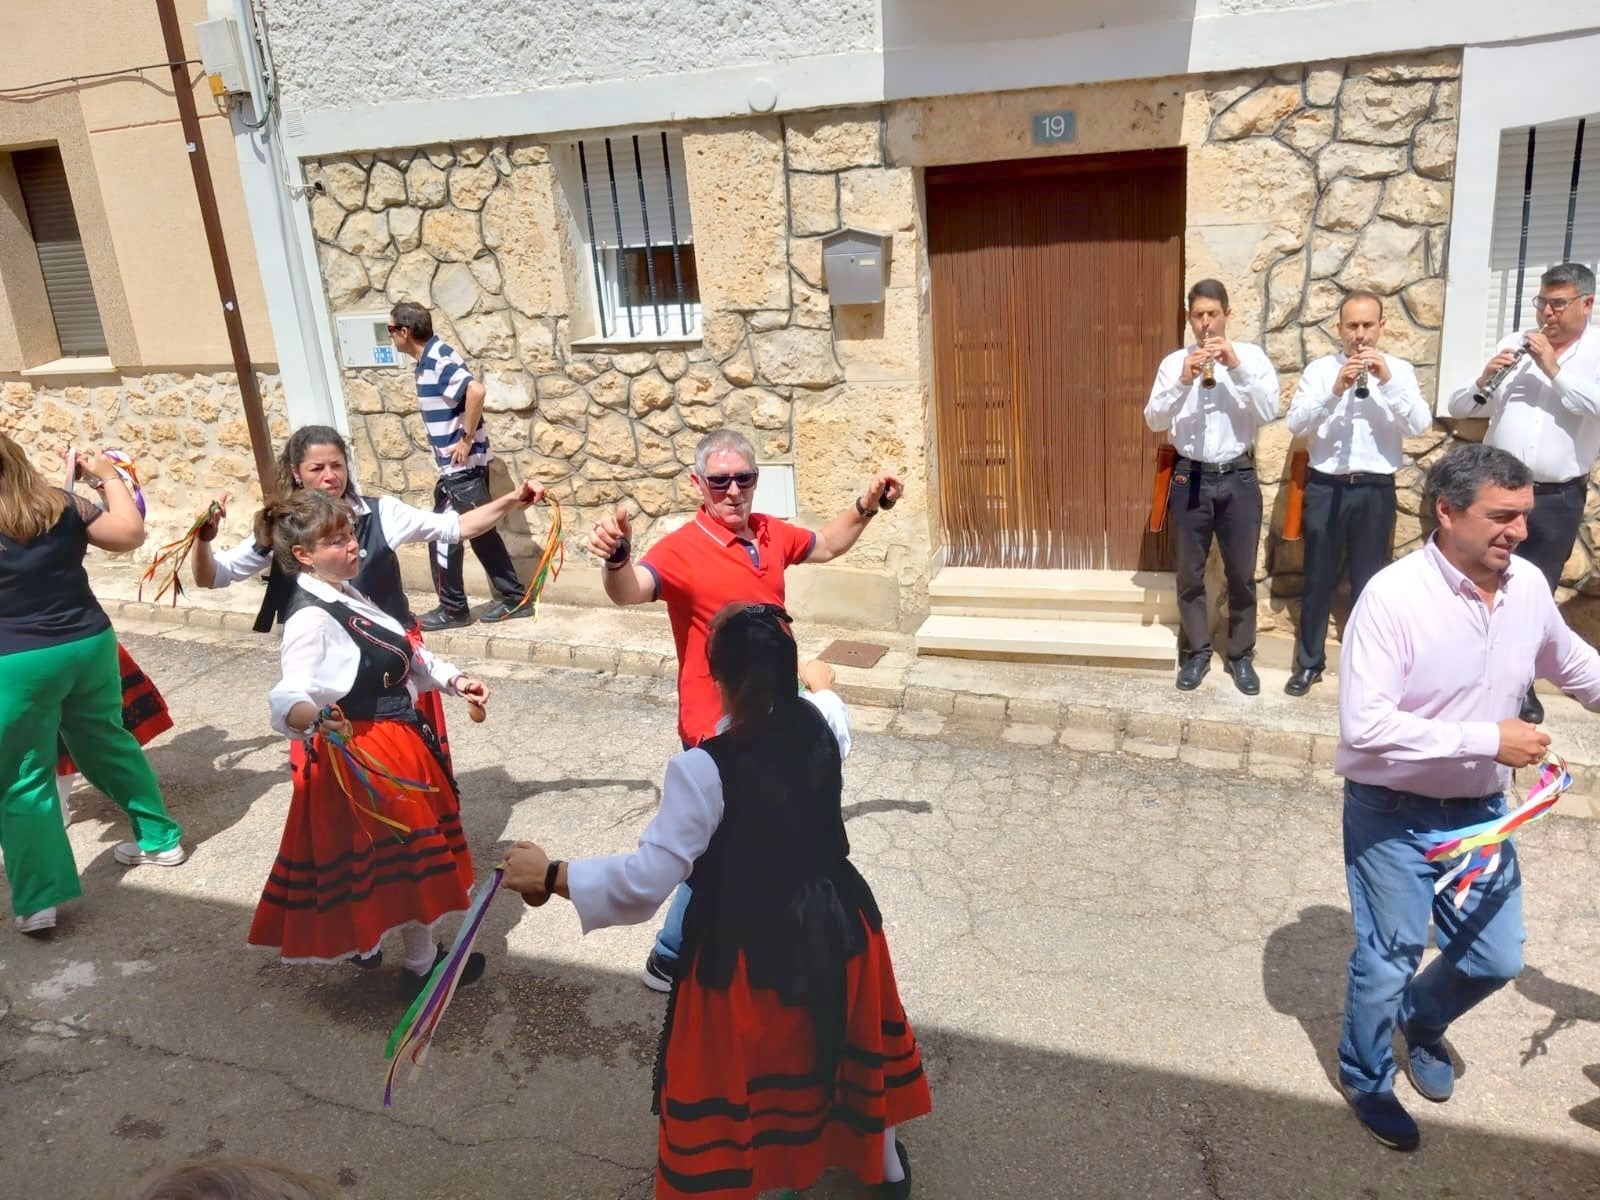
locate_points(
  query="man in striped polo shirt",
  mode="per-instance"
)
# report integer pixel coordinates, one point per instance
(451, 402)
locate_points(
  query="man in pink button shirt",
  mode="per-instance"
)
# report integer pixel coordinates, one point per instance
(1439, 653)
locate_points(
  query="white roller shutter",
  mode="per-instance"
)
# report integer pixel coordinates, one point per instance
(666, 198)
(67, 284)
(1553, 150)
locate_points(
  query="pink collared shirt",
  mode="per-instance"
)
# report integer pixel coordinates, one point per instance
(1427, 671)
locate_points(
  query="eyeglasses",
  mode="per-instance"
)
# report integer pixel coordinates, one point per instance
(720, 483)
(395, 328)
(1557, 307)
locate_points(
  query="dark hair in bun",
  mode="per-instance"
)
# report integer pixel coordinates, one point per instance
(303, 518)
(754, 657)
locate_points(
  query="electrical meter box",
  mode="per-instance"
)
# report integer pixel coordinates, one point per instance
(222, 55)
(855, 263)
(364, 340)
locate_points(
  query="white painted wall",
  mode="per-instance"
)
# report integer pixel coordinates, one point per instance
(351, 53)
(1502, 87)
(368, 74)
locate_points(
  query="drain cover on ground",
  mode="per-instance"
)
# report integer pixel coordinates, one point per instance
(853, 654)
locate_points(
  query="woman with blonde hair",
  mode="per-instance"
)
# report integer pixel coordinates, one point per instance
(60, 676)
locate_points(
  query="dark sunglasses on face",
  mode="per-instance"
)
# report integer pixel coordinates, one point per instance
(720, 483)
(395, 328)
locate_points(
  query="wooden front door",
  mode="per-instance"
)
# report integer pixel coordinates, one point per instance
(1057, 289)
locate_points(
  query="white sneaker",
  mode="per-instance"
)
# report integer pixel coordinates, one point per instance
(129, 855)
(37, 922)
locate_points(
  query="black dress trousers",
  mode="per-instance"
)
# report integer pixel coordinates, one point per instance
(1347, 519)
(1227, 506)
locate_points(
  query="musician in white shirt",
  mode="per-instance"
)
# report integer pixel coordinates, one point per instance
(1355, 409)
(1210, 399)
(1546, 412)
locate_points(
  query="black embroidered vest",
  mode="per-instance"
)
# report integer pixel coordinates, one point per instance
(379, 692)
(378, 579)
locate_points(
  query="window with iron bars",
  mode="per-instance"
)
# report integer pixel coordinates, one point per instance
(1546, 211)
(633, 208)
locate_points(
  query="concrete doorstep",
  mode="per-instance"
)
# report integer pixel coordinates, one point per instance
(1091, 710)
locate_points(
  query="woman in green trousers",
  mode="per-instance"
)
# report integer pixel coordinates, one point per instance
(59, 675)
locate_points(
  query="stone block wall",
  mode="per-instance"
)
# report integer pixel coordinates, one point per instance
(1307, 183)
(185, 432)
(484, 235)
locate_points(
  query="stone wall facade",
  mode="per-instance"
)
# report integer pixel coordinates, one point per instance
(185, 432)
(1304, 183)
(483, 234)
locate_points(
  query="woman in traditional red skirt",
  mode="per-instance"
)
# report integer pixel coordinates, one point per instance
(786, 1051)
(315, 458)
(373, 840)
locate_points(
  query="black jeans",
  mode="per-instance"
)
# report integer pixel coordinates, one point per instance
(462, 491)
(1553, 525)
(1343, 520)
(1229, 507)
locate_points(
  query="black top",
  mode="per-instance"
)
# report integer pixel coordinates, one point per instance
(776, 883)
(378, 579)
(379, 691)
(45, 598)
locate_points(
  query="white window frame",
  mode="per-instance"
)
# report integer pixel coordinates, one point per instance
(1499, 91)
(612, 189)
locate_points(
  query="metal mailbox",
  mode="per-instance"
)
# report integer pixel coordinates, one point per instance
(855, 264)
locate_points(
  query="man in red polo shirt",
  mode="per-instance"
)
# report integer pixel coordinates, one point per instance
(724, 555)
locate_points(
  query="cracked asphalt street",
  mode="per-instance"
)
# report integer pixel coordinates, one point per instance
(1126, 976)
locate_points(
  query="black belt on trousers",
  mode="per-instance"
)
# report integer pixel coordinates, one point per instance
(1353, 478)
(1544, 489)
(1244, 462)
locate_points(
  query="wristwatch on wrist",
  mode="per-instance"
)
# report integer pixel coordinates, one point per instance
(619, 556)
(550, 875)
(861, 508)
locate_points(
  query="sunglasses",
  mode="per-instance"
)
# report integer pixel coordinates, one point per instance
(720, 483)
(395, 328)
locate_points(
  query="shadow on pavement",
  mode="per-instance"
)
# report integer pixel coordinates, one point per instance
(538, 1083)
(1303, 976)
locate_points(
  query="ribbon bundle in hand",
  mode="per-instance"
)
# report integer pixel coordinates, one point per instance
(412, 1036)
(550, 562)
(1478, 846)
(351, 761)
(177, 553)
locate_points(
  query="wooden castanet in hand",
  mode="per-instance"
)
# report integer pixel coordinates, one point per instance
(1166, 459)
(475, 711)
(1294, 506)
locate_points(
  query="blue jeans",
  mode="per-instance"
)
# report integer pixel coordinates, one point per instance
(669, 940)
(1391, 898)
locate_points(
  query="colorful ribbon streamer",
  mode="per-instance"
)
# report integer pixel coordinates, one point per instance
(413, 1035)
(178, 553)
(1478, 846)
(345, 756)
(130, 475)
(550, 562)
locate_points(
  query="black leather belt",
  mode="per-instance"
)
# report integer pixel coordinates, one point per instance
(1353, 478)
(1544, 489)
(1245, 462)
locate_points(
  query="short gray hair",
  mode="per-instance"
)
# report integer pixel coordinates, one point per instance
(719, 440)
(1580, 277)
(1460, 475)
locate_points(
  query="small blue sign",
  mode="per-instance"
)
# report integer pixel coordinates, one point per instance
(383, 356)
(1050, 127)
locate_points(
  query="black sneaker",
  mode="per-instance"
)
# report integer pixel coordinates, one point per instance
(1244, 675)
(411, 984)
(443, 618)
(1385, 1118)
(659, 972)
(901, 1188)
(501, 611)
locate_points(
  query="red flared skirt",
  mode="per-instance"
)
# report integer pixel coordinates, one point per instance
(144, 712)
(343, 878)
(741, 1109)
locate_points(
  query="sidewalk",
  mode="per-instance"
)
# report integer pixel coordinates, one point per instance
(1086, 709)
